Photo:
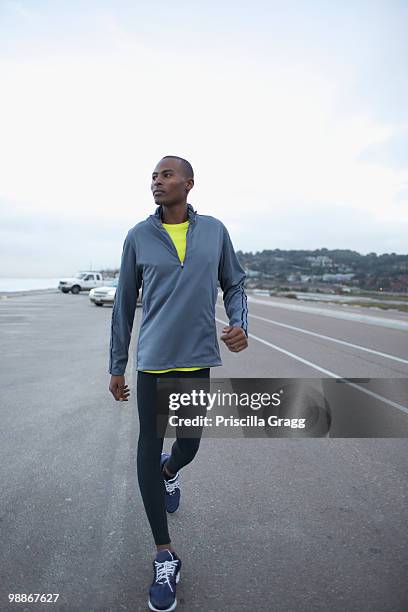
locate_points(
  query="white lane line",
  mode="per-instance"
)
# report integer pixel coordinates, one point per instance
(337, 314)
(4, 328)
(323, 370)
(21, 308)
(310, 333)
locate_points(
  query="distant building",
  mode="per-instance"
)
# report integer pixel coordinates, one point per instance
(251, 273)
(334, 278)
(319, 260)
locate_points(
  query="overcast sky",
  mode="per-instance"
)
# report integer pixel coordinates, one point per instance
(292, 113)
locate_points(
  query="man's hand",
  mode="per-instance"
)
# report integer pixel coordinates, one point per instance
(119, 390)
(234, 338)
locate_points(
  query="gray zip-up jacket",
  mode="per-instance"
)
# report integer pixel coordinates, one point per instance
(178, 324)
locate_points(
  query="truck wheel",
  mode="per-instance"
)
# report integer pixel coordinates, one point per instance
(75, 289)
(65, 290)
(98, 304)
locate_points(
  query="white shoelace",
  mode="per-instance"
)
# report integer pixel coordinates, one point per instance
(171, 486)
(164, 570)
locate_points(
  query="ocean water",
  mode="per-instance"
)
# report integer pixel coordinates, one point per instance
(25, 284)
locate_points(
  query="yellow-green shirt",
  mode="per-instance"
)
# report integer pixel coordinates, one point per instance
(178, 233)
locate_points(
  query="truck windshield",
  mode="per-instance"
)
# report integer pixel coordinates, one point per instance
(80, 275)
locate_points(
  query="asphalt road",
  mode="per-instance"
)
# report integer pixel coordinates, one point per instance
(269, 525)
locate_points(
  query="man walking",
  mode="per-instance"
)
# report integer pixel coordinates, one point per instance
(179, 256)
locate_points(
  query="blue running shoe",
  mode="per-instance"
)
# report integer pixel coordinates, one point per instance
(162, 593)
(173, 493)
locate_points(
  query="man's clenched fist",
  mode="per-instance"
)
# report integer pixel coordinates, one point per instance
(234, 338)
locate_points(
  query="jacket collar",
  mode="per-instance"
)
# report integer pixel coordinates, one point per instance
(157, 217)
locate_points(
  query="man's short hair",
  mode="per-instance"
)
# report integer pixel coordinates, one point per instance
(186, 166)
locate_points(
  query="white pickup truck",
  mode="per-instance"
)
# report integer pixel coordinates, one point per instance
(81, 281)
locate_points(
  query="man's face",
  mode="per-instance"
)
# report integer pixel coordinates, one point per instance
(169, 185)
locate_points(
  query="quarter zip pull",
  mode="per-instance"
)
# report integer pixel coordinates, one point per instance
(182, 264)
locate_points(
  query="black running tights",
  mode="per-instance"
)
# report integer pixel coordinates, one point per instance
(150, 447)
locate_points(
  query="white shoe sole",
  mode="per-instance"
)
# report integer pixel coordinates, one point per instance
(173, 607)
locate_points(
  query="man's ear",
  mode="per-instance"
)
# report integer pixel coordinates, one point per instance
(189, 185)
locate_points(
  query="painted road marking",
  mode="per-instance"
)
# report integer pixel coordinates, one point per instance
(310, 333)
(337, 314)
(323, 370)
